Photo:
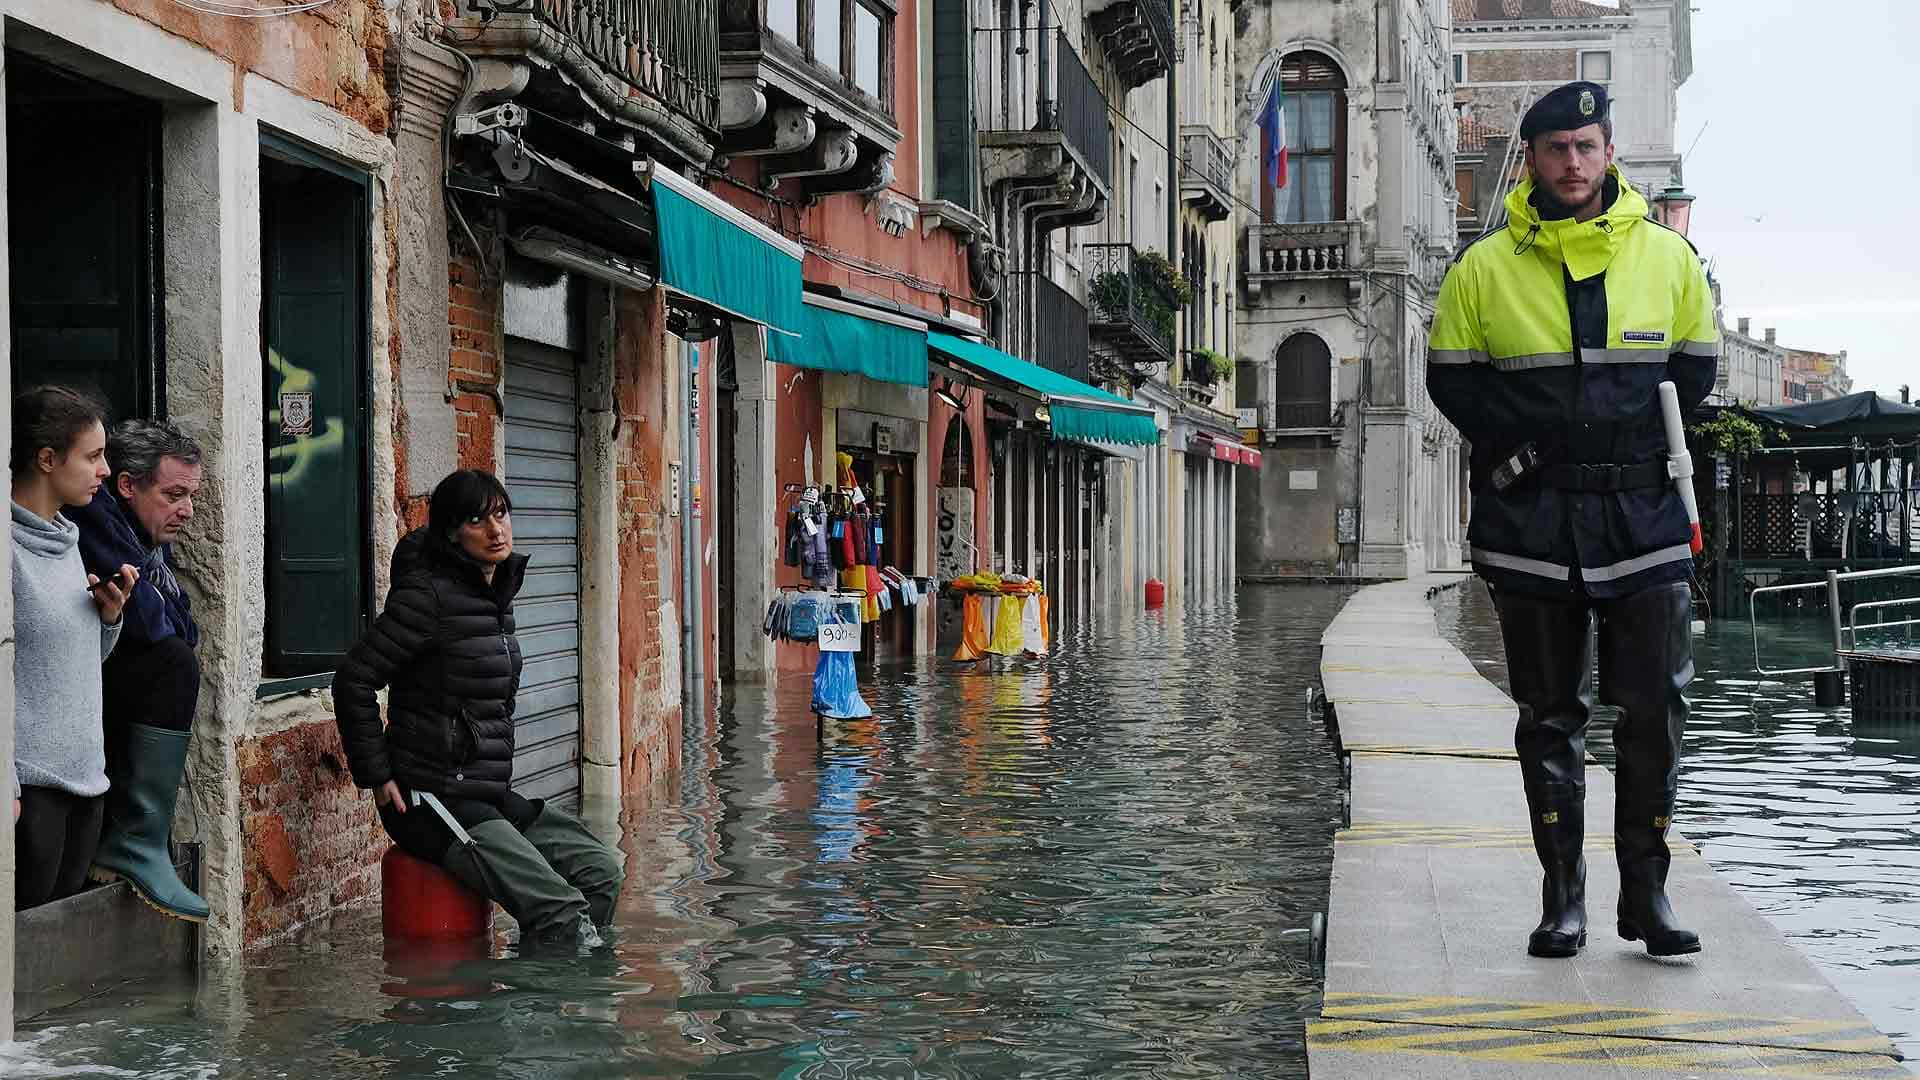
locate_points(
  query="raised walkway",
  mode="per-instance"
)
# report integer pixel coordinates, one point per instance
(1435, 887)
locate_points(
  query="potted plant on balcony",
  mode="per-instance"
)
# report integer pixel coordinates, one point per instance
(1150, 291)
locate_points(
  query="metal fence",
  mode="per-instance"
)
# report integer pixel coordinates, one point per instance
(666, 49)
(1042, 85)
(1120, 296)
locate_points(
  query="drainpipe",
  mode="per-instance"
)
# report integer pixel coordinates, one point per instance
(692, 644)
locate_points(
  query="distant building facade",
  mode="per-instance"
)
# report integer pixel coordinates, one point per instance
(1506, 53)
(1341, 267)
(1815, 376)
(1752, 370)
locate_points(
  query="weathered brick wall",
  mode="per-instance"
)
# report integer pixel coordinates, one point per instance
(649, 685)
(1521, 65)
(313, 841)
(334, 54)
(474, 320)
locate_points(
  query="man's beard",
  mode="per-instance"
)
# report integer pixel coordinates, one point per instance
(1553, 207)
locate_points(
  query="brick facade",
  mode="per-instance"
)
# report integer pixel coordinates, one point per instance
(1550, 66)
(312, 839)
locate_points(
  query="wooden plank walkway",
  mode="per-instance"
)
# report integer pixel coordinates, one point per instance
(1435, 887)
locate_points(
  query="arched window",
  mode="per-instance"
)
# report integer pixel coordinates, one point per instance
(1315, 173)
(1303, 383)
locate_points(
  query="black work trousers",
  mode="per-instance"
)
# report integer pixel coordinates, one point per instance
(54, 844)
(157, 685)
(1646, 649)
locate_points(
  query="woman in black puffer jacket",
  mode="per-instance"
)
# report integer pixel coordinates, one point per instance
(445, 648)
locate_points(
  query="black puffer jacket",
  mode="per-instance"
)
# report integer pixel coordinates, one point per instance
(445, 648)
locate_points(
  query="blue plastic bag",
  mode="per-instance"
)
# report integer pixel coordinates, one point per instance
(836, 690)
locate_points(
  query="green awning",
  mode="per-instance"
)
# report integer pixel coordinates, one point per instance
(1076, 410)
(716, 254)
(836, 336)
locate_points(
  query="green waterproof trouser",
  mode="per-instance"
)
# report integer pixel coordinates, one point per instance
(546, 877)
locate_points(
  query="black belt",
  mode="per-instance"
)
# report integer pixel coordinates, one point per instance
(1649, 474)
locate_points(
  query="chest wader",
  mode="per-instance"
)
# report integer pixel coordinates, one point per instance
(1549, 642)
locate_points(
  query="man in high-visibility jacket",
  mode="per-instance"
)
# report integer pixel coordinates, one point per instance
(1550, 342)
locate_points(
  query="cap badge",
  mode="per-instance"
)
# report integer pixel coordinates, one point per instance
(1586, 103)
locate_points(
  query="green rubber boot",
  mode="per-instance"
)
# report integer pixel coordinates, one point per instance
(133, 846)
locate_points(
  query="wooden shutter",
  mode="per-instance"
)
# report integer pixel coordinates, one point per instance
(314, 333)
(955, 140)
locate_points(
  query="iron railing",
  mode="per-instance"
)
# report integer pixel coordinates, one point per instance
(668, 50)
(1042, 85)
(1060, 330)
(1122, 295)
(1208, 165)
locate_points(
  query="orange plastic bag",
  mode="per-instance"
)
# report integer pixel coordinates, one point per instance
(973, 628)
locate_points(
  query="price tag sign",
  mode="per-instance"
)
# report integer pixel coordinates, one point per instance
(839, 637)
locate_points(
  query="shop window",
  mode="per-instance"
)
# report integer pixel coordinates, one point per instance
(1316, 127)
(313, 313)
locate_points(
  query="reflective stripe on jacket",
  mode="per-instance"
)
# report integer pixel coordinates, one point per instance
(1505, 367)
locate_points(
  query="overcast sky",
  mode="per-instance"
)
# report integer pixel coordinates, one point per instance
(1808, 174)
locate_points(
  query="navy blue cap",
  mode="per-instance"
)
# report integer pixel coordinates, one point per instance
(1574, 105)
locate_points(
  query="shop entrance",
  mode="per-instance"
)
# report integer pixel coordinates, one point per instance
(84, 243)
(888, 481)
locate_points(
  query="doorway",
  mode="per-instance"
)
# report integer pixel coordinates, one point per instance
(888, 481)
(84, 243)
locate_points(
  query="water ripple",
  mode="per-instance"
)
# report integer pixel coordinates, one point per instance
(1098, 865)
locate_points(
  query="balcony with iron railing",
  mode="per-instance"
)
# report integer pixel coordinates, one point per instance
(653, 65)
(1137, 36)
(1060, 330)
(1131, 302)
(1308, 249)
(1206, 173)
(1045, 118)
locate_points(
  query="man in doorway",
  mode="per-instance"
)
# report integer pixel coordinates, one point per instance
(152, 681)
(1548, 347)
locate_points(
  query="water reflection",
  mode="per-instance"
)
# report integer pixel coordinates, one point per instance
(1815, 820)
(1094, 865)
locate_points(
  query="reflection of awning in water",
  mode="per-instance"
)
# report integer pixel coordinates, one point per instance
(1076, 410)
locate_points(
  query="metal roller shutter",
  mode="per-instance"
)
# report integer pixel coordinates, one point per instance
(543, 476)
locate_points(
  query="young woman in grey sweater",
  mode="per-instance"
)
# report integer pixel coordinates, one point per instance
(65, 622)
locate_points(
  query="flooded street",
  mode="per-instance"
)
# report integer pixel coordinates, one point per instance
(1815, 823)
(1099, 865)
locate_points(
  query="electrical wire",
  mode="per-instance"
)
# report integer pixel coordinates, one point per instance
(238, 9)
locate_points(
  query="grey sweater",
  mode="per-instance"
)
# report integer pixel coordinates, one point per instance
(58, 646)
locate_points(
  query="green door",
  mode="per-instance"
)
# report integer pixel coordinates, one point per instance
(313, 311)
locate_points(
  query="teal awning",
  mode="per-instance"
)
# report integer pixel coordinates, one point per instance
(836, 336)
(716, 254)
(1076, 410)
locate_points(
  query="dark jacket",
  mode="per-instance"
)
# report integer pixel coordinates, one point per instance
(445, 648)
(1557, 333)
(111, 537)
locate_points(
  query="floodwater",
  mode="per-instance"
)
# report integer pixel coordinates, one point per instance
(1097, 865)
(1815, 820)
